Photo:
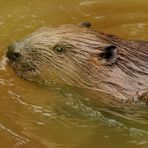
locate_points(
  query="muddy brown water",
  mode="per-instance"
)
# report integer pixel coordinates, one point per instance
(35, 116)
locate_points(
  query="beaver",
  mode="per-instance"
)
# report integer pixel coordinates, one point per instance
(79, 56)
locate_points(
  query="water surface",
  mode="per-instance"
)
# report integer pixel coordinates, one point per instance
(34, 116)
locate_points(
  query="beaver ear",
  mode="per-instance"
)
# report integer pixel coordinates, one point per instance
(85, 24)
(110, 54)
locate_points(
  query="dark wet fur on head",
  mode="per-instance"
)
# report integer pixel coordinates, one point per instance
(82, 57)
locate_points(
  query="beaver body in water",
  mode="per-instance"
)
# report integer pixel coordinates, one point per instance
(82, 57)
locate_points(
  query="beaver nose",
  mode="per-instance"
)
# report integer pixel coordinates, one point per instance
(12, 53)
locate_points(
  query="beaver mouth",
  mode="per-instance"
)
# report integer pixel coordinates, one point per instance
(23, 70)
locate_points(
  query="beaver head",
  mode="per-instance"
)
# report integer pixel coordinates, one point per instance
(80, 57)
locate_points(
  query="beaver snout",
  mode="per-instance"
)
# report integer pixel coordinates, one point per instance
(12, 53)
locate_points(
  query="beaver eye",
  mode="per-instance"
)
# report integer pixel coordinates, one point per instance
(59, 49)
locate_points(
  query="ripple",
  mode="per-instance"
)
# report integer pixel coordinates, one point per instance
(19, 140)
(3, 63)
(89, 3)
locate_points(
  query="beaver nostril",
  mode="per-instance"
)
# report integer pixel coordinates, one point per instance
(12, 54)
(15, 56)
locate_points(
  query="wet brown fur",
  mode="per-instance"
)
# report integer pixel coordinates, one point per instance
(81, 65)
